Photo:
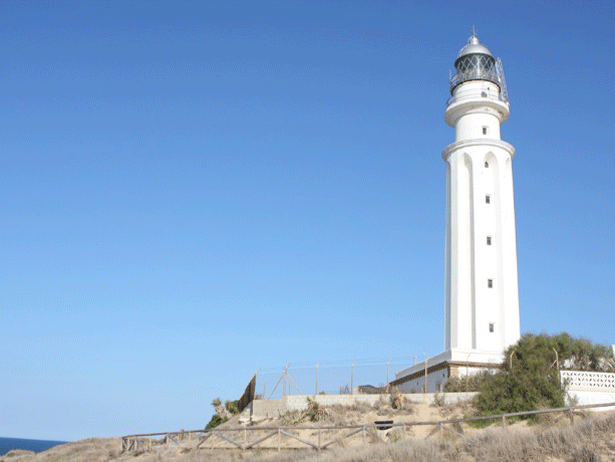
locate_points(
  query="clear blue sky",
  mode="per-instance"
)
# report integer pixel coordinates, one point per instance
(191, 191)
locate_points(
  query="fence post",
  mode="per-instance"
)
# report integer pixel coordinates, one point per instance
(319, 438)
(279, 439)
(352, 377)
(504, 422)
(425, 386)
(571, 415)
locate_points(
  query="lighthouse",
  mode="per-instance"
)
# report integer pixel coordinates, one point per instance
(482, 295)
(481, 287)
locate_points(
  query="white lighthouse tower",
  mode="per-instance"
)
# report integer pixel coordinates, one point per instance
(482, 296)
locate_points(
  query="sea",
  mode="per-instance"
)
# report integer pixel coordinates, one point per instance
(7, 444)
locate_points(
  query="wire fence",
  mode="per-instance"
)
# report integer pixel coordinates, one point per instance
(329, 377)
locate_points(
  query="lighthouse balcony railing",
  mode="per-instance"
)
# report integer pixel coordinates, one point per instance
(490, 75)
(488, 94)
(478, 73)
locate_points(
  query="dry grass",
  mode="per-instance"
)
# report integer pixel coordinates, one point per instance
(590, 440)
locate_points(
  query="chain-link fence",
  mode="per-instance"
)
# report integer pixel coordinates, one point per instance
(334, 377)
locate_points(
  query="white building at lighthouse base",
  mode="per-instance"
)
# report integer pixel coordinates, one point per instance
(431, 375)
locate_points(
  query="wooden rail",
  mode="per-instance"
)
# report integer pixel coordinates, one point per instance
(144, 441)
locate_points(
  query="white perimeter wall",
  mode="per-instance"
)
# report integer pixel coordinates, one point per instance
(274, 408)
(589, 388)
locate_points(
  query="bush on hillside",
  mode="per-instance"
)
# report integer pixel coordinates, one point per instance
(529, 379)
(232, 406)
(222, 413)
(216, 420)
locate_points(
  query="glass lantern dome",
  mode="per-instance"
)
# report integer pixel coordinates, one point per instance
(475, 62)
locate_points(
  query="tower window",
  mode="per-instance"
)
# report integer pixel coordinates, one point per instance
(491, 327)
(490, 283)
(484, 130)
(486, 164)
(488, 240)
(487, 199)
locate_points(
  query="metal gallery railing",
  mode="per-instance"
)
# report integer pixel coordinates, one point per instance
(243, 437)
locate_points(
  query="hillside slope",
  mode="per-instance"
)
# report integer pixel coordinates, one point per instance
(592, 438)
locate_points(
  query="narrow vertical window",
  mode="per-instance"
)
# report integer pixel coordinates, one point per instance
(488, 240)
(487, 199)
(491, 327)
(484, 130)
(490, 283)
(486, 164)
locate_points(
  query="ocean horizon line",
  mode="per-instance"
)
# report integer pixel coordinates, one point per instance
(27, 444)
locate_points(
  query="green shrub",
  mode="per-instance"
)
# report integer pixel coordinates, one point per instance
(529, 379)
(215, 421)
(232, 406)
(470, 383)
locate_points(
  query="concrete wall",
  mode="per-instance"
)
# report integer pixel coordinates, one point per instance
(299, 403)
(588, 381)
(268, 408)
(449, 398)
(591, 397)
(275, 408)
(590, 388)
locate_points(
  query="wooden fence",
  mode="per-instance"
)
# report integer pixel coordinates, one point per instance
(248, 437)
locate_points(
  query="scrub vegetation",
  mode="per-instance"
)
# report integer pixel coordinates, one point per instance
(529, 379)
(223, 413)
